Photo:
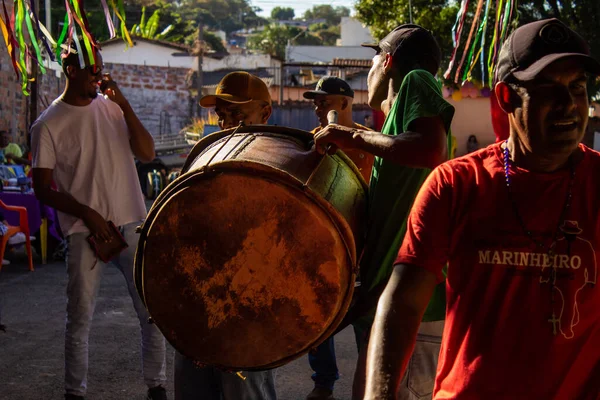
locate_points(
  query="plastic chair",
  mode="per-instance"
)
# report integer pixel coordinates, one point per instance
(12, 230)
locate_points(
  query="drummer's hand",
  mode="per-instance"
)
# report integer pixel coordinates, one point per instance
(337, 136)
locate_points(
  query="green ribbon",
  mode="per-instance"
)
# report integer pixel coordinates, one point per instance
(33, 38)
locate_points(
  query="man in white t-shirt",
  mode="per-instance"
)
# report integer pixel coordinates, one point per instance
(86, 142)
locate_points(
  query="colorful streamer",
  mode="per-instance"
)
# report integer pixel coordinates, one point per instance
(20, 17)
(34, 41)
(476, 48)
(456, 34)
(43, 38)
(475, 19)
(26, 37)
(120, 13)
(10, 37)
(109, 23)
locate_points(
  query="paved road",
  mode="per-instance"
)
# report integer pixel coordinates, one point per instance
(32, 350)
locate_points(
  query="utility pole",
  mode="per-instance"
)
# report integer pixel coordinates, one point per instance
(199, 76)
(48, 19)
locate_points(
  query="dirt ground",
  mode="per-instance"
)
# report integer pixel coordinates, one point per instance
(32, 349)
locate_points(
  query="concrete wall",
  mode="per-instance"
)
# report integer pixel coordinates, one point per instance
(326, 54)
(472, 117)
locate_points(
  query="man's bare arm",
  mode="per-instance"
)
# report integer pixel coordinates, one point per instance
(141, 141)
(42, 185)
(423, 146)
(399, 313)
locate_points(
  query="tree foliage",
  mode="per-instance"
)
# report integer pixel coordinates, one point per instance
(183, 16)
(147, 29)
(282, 13)
(274, 39)
(331, 15)
(381, 16)
(439, 16)
(581, 15)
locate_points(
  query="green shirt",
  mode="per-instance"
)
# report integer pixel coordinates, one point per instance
(393, 187)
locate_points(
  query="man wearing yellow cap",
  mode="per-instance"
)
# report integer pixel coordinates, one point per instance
(240, 97)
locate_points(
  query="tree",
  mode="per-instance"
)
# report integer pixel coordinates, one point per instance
(328, 34)
(148, 29)
(439, 16)
(436, 15)
(226, 15)
(331, 15)
(274, 39)
(282, 13)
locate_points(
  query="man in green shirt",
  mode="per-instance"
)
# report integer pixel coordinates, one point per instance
(414, 139)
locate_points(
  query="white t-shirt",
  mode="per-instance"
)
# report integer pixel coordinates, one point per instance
(88, 149)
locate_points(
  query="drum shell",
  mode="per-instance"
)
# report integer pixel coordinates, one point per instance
(332, 186)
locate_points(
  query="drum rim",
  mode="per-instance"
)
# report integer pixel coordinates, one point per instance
(208, 141)
(282, 177)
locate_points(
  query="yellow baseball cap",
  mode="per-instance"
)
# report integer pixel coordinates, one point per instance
(238, 87)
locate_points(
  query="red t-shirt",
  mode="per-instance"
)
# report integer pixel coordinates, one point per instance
(498, 341)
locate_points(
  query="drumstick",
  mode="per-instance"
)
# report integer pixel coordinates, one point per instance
(332, 117)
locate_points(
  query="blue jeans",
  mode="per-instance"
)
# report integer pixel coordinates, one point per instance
(85, 272)
(209, 383)
(322, 361)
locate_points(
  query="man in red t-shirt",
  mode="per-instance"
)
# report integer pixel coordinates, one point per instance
(519, 226)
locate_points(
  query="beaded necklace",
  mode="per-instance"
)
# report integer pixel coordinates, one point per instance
(539, 244)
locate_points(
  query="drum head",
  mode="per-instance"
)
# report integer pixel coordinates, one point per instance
(244, 272)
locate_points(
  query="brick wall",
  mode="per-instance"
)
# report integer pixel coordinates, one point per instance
(13, 104)
(157, 94)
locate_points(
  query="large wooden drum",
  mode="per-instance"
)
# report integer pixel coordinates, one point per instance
(247, 260)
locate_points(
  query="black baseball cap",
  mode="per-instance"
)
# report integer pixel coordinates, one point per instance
(534, 46)
(409, 40)
(330, 85)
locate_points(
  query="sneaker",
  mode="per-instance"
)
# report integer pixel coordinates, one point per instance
(17, 238)
(73, 397)
(157, 393)
(320, 393)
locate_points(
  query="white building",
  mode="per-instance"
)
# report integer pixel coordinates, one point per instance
(157, 53)
(354, 33)
(161, 53)
(326, 54)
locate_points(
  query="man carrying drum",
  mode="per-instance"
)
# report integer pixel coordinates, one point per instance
(414, 139)
(240, 97)
(332, 93)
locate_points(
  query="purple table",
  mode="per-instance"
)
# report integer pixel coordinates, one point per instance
(36, 212)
